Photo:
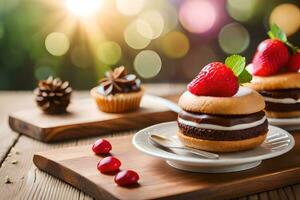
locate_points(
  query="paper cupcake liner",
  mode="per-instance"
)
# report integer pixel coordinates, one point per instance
(118, 103)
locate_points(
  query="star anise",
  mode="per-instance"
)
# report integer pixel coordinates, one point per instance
(116, 81)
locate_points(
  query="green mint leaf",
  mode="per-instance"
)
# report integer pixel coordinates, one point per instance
(236, 63)
(245, 77)
(277, 33)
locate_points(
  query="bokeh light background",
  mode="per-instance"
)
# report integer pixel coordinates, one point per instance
(160, 40)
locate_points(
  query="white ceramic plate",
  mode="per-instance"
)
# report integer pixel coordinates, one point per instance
(286, 123)
(228, 162)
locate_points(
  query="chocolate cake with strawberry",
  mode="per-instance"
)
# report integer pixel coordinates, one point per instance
(218, 114)
(276, 75)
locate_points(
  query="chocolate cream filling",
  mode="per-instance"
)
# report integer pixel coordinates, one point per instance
(284, 93)
(281, 107)
(227, 122)
(279, 95)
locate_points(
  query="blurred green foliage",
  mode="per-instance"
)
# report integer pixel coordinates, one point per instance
(24, 25)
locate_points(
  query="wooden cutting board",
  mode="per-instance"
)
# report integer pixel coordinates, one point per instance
(84, 119)
(77, 166)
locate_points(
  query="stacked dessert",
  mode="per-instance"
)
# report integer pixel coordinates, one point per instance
(217, 114)
(275, 67)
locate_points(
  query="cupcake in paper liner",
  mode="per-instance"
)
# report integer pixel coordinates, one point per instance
(118, 92)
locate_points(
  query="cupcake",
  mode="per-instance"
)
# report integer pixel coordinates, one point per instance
(276, 75)
(118, 92)
(217, 114)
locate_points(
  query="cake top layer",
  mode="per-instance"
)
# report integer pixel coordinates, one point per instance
(275, 82)
(246, 101)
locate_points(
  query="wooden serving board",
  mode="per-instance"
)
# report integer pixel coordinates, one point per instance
(77, 166)
(84, 119)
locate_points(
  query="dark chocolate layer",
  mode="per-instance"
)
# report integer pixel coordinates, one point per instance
(280, 94)
(284, 93)
(217, 135)
(281, 107)
(222, 120)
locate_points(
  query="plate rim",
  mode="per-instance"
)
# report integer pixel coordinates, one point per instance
(212, 161)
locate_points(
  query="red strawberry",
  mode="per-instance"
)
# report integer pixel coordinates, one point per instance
(294, 63)
(270, 56)
(215, 79)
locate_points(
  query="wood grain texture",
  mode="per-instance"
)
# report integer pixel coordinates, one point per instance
(8, 104)
(28, 181)
(77, 166)
(84, 119)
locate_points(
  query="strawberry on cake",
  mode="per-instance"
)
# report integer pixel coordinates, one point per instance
(217, 114)
(276, 76)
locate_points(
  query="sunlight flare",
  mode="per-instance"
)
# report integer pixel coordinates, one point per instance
(83, 8)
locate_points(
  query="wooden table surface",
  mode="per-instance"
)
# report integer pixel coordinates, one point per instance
(16, 152)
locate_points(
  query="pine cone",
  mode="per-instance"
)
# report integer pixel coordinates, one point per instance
(53, 96)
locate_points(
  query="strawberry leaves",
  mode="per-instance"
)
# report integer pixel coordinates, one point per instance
(277, 34)
(237, 64)
(245, 77)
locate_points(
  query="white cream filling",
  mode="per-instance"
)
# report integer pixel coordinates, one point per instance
(283, 100)
(243, 91)
(223, 128)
